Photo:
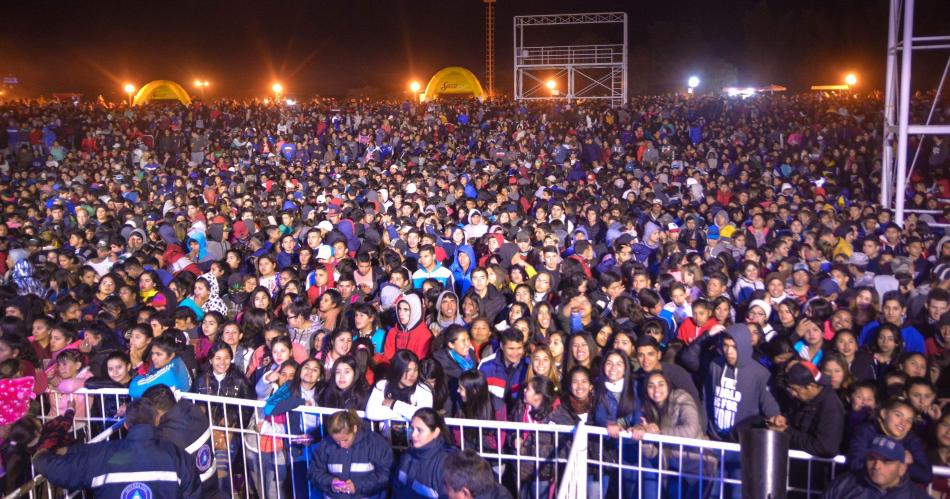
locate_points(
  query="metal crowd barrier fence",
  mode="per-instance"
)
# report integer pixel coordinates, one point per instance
(665, 466)
(268, 457)
(38, 487)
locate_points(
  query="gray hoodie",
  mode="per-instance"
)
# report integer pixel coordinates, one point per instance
(737, 397)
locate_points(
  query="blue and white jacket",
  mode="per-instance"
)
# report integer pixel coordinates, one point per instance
(368, 463)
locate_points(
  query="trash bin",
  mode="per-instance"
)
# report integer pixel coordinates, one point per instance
(764, 455)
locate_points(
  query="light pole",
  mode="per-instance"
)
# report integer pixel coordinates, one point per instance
(278, 89)
(129, 89)
(851, 79)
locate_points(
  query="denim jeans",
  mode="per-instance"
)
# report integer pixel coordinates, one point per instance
(267, 474)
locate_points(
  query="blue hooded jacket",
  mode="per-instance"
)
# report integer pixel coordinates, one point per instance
(463, 279)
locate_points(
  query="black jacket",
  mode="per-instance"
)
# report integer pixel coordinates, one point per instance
(420, 471)
(188, 428)
(817, 426)
(540, 444)
(862, 368)
(234, 385)
(856, 485)
(142, 462)
(368, 463)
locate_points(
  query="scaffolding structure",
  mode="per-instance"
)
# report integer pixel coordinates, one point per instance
(490, 47)
(901, 46)
(591, 72)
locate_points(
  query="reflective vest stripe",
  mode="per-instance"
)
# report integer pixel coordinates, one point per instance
(208, 473)
(135, 476)
(361, 467)
(191, 449)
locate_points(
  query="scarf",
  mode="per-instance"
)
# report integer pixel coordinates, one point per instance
(275, 398)
(466, 363)
(396, 392)
(580, 406)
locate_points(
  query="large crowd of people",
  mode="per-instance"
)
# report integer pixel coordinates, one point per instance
(691, 267)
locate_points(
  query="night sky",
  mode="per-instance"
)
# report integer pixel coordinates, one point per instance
(317, 47)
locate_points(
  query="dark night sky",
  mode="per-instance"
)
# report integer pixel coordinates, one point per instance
(329, 48)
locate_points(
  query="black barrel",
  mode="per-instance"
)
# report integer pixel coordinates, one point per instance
(764, 463)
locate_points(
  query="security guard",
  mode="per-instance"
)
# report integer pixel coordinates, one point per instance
(182, 423)
(140, 466)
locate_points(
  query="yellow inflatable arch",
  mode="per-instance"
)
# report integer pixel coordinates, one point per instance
(161, 90)
(455, 81)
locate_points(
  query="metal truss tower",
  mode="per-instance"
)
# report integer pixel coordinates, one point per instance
(587, 71)
(490, 47)
(901, 46)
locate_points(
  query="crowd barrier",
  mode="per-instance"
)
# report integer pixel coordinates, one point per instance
(258, 457)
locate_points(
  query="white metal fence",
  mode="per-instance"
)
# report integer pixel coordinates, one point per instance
(271, 459)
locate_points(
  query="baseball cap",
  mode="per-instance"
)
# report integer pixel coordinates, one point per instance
(800, 267)
(712, 233)
(886, 449)
(324, 253)
(672, 227)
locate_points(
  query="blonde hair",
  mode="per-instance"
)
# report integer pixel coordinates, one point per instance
(553, 374)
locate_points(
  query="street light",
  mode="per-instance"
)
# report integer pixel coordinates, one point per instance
(129, 89)
(851, 79)
(415, 86)
(278, 89)
(551, 84)
(692, 83)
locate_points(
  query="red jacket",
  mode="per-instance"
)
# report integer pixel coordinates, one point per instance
(415, 337)
(688, 330)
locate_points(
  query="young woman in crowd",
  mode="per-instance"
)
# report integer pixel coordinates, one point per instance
(419, 473)
(539, 405)
(402, 392)
(346, 387)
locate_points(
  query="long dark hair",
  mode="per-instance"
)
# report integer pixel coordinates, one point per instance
(569, 361)
(628, 398)
(430, 368)
(543, 386)
(477, 404)
(353, 397)
(653, 412)
(434, 421)
(397, 368)
(318, 387)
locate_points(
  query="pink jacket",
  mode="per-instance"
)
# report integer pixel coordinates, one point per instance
(67, 396)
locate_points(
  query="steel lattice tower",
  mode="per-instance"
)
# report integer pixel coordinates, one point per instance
(490, 46)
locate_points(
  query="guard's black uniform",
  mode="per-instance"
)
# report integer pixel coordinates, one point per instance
(137, 467)
(187, 427)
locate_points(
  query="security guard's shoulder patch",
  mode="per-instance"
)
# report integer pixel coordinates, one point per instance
(137, 490)
(203, 458)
